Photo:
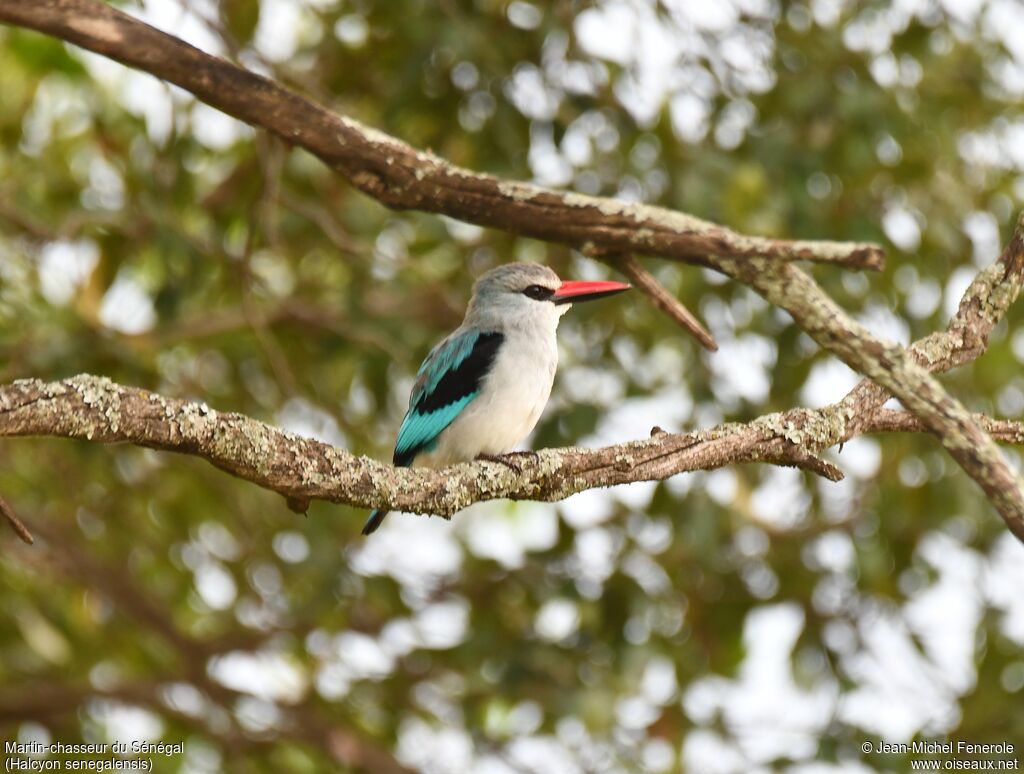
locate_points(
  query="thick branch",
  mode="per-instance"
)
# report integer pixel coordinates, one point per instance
(93, 408)
(397, 174)
(96, 409)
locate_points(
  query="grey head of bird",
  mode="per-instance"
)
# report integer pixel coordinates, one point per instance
(529, 294)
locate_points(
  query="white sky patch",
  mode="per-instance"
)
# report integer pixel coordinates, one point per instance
(659, 684)
(659, 54)
(363, 655)
(902, 229)
(861, 457)
(884, 323)
(416, 551)
(595, 552)
(607, 31)
(467, 233)
(924, 298)
(123, 723)
(1002, 581)
(264, 675)
(781, 498)
(956, 285)
(183, 20)
(632, 419)
(965, 11)
(1004, 21)
(548, 165)
(741, 368)
(443, 625)
(643, 88)
(713, 17)
(127, 307)
(542, 754)
(587, 508)
(186, 698)
(635, 713)
(899, 692)
(304, 418)
(767, 713)
(828, 382)
(531, 94)
(352, 30)
(217, 131)
(557, 619)
(506, 531)
(735, 119)
(64, 266)
(143, 95)
(834, 551)
(215, 585)
(398, 637)
(106, 188)
(983, 230)
(217, 540)
(434, 750)
(691, 117)
(945, 615)
(721, 486)
(278, 33)
(648, 574)
(526, 16)
(637, 495)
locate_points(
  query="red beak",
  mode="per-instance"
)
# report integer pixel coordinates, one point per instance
(575, 292)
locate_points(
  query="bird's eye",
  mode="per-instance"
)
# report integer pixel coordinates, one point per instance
(538, 292)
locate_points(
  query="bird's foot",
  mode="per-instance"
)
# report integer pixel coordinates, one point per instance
(510, 460)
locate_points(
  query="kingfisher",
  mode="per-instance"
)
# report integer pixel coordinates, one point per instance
(481, 390)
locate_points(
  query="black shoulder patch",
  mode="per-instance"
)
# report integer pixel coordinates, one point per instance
(464, 378)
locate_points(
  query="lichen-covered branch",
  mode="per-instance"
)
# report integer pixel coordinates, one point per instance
(301, 469)
(397, 174)
(96, 409)
(904, 373)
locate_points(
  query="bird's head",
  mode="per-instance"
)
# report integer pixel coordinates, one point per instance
(525, 291)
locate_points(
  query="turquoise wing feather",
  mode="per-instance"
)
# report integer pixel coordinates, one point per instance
(450, 378)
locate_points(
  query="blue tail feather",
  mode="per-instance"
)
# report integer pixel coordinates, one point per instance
(375, 520)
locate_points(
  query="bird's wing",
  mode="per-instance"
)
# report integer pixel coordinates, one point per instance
(448, 381)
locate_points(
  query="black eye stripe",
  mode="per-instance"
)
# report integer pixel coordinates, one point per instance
(538, 292)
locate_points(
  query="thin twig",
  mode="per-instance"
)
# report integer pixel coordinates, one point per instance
(16, 524)
(648, 284)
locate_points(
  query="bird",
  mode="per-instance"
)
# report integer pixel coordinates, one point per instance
(481, 390)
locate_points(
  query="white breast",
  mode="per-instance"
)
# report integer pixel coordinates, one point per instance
(511, 400)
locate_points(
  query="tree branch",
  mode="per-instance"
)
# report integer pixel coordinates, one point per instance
(647, 284)
(398, 175)
(894, 421)
(16, 524)
(96, 409)
(899, 371)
